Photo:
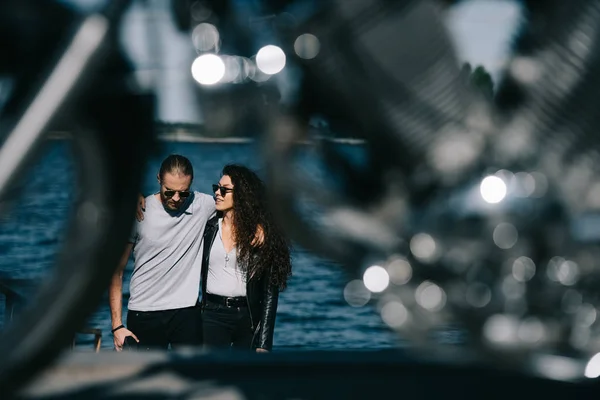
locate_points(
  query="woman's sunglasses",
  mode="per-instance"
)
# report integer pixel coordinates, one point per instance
(222, 189)
(182, 193)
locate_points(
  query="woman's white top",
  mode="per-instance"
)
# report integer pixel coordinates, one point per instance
(225, 278)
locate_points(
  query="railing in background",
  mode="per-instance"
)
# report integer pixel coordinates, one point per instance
(16, 298)
(11, 297)
(90, 331)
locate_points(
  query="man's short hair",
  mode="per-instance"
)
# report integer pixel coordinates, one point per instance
(177, 165)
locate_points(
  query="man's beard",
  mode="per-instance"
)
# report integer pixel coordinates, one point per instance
(169, 204)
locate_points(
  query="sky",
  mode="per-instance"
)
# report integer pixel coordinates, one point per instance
(481, 30)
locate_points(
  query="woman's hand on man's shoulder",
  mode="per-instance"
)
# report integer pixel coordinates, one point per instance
(141, 207)
(259, 237)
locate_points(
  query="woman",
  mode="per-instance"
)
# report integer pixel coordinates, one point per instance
(245, 263)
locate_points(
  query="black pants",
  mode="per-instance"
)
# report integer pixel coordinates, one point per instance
(226, 327)
(159, 329)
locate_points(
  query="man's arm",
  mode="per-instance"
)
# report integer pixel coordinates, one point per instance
(115, 301)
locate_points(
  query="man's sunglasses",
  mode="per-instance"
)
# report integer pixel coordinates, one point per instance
(182, 193)
(222, 189)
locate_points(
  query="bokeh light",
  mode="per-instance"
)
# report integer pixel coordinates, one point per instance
(205, 37)
(563, 271)
(237, 69)
(505, 235)
(208, 69)
(524, 184)
(531, 331)
(525, 69)
(501, 330)
(394, 314)
(523, 269)
(356, 294)
(592, 369)
(423, 247)
(270, 59)
(256, 74)
(307, 46)
(376, 279)
(430, 296)
(399, 270)
(492, 189)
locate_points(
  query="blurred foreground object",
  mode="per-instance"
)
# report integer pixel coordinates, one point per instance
(308, 375)
(63, 68)
(461, 214)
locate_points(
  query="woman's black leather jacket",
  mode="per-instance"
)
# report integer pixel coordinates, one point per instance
(262, 297)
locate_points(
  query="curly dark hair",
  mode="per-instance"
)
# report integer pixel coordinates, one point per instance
(251, 211)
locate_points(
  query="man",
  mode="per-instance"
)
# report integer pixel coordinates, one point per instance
(163, 305)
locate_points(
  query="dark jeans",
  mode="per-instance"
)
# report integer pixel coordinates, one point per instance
(158, 329)
(225, 327)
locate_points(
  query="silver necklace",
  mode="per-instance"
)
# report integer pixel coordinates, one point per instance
(221, 236)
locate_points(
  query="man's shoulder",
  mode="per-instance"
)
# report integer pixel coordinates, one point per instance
(205, 204)
(151, 200)
(151, 204)
(204, 200)
(202, 197)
